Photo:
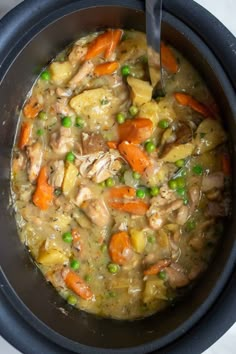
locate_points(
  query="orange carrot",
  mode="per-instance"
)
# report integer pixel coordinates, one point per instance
(99, 45)
(24, 135)
(75, 234)
(106, 68)
(186, 100)
(76, 284)
(32, 108)
(43, 194)
(122, 192)
(115, 39)
(226, 166)
(168, 59)
(136, 207)
(135, 130)
(112, 144)
(120, 247)
(157, 267)
(136, 157)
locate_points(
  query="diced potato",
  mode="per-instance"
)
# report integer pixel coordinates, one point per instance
(90, 104)
(70, 177)
(150, 110)
(138, 240)
(178, 152)
(61, 72)
(209, 134)
(141, 91)
(82, 219)
(60, 222)
(134, 47)
(154, 289)
(51, 257)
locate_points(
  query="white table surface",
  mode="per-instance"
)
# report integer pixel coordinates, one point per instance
(225, 11)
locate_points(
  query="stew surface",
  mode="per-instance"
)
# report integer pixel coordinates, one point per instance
(121, 199)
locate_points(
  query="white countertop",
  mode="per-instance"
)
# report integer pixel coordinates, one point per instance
(225, 11)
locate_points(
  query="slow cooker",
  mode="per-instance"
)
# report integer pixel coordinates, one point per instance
(32, 315)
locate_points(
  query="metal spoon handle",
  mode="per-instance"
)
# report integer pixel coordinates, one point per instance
(153, 33)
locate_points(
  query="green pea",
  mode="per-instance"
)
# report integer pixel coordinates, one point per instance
(120, 118)
(70, 157)
(103, 247)
(136, 175)
(45, 75)
(67, 237)
(57, 192)
(125, 70)
(162, 275)
(151, 239)
(185, 201)
(140, 193)
(190, 225)
(102, 184)
(66, 122)
(180, 163)
(110, 182)
(180, 182)
(163, 124)
(40, 132)
(42, 115)
(154, 191)
(197, 170)
(133, 110)
(113, 268)
(181, 191)
(172, 184)
(74, 264)
(150, 147)
(72, 300)
(79, 122)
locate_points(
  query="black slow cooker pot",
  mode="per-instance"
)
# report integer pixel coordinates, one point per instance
(32, 315)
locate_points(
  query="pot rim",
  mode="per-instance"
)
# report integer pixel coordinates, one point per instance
(15, 302)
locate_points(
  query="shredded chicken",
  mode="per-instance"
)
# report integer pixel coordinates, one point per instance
(177, 278)
(61, 106)
(84, 70)
(57, 174)
(182, 215)
(62, 141)
(99, 166)
(63, 92)
(214, 180)
(83, 195)
(77, 54)
(19, 162)
(35, 154)
(97, 211)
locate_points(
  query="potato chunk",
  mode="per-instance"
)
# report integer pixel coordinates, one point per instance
(70, 177)
(61, 72)
(51, 257)
(150, 110)
(178, 152)
(209, 134)
(141, 91)
(154, 290)
(138, 240)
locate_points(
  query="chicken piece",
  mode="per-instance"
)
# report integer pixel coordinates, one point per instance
(85, 69)
(93, 142)
(35, 155)
(97, 211)
(63, 92)
(62, 141)
(18, 163)
(99, 166)
(177, 277)
(57, 175)
(76, 55)
(61, 106)
(83, 195)
(197, 270)
(194, 194)
(212, 181)
(182, 215)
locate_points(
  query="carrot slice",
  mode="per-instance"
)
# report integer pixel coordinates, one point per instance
(76, 284)
(226, 165)
(122, 192)
(168, 59)
(115, 39)
(136, 157)
(186, 100)
(43, 195)
(157, 267)
(106, 68)
(24, 135)
(32, 108)
(135, 130)
(120, 247)
(99, 45)
(136, 207)
(112, 144)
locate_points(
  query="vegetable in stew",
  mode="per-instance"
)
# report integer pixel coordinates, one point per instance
(120, 198)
